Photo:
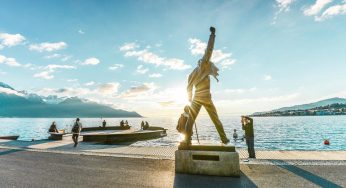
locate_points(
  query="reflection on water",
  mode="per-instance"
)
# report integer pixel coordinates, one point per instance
(279, 133)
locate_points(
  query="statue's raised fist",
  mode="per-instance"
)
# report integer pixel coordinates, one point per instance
(212, 29)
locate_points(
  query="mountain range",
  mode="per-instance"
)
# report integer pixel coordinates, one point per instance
(15, 103)
(308, 106)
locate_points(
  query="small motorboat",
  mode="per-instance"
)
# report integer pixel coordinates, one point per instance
(14, 137)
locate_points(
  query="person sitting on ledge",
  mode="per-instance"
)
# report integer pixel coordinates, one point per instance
(126, 123)
(122, 123)
(142, 125)
(52, 128)
(146, 126)
(104, 123)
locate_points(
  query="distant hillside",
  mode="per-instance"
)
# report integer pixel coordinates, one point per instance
(304, 107)
(314, 105)
(15, 104)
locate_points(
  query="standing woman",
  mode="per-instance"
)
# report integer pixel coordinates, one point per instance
(77, 127)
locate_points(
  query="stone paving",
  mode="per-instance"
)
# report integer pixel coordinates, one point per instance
(167, 152)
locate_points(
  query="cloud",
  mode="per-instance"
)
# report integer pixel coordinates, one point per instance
(135, 91)
(316, 8)
(91, 61)
(44, 74)
(108, 88)
(10, 91)
(64, 92)
(116, 66)
(146, 56)
(50, 69)
(129, 46)
(48, 47)
(81, 32)
(197, 47)
(257, 104)
(267, 77)
(282, 6)
(155, 75)
(89, 83)
(52, 56)
(9, 61)
(332, 11)
(8, 40)
(167, 103)
(56, 56)
(240, 91)
(141, 70)
(72, 80)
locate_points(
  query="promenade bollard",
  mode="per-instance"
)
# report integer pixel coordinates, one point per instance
(207, 160)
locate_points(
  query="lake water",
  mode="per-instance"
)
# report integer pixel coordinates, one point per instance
(275, 133)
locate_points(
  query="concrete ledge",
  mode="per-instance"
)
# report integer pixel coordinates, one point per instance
(216, 163)
(206, 148)
(56, 136)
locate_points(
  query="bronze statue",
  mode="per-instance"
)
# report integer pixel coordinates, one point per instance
(199, 78)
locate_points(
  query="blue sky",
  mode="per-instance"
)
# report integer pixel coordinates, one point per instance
(136, 55)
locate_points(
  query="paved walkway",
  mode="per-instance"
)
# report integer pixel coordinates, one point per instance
(22, 168)
(66, 146)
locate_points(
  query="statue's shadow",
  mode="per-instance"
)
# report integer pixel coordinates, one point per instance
(191, 181)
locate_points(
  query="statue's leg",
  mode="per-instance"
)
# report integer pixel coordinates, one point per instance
(194, 110)
(209, 106)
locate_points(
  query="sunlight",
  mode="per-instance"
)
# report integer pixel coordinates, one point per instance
(181, 137)
(178, 95)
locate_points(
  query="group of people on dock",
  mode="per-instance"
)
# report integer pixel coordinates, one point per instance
(77, 127)
(124, 123)
(144, 126)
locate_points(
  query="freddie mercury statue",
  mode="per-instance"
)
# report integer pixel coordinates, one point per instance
(199, 78)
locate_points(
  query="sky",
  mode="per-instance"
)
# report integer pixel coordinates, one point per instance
(137, 54)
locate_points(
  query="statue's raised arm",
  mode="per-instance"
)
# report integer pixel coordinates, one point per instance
(209, 51)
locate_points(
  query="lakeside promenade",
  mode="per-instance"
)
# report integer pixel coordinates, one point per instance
(57, 164)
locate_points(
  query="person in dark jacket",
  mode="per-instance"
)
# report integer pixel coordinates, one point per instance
(104, 123)
(247, 125)
(77, 127)
(52, 128)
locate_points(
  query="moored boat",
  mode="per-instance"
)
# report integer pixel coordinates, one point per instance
(13, 137)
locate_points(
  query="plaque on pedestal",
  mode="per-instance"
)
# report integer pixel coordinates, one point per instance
(207, 160)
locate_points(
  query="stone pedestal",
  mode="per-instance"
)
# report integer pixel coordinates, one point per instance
(207, 160)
